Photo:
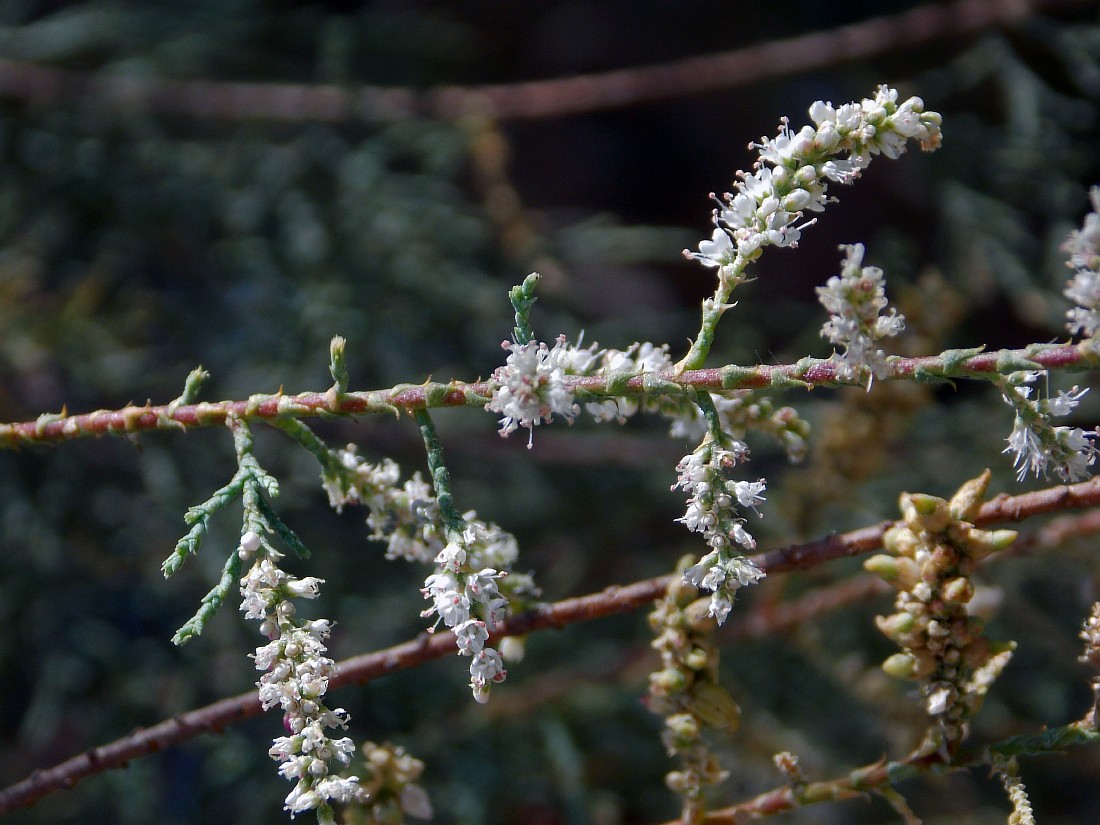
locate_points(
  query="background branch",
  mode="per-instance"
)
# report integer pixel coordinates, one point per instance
(329, 103)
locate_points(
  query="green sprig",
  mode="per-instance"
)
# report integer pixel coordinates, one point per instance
(212, 601)
(441, 478)
(523, 299)
(249, 483)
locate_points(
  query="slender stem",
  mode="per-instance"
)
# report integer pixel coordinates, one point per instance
(301, 433)
(713, 310)
(806, 373)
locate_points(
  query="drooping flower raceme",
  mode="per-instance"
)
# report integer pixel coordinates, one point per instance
(466, 597)
(296, 677)
(1083, 246)
(854, 300)
(1038, 446)
(472, 579)
(713, 511)
(794, 169)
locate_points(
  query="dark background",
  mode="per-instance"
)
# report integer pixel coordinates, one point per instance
(136, 244)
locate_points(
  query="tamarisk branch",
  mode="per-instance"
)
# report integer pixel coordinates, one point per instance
(806, 373)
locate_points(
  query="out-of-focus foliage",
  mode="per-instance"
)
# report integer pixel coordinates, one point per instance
(134, 246)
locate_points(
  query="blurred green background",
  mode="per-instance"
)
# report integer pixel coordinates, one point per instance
(136, 244)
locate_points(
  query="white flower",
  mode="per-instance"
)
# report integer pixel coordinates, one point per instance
(452, 557)
(749, 493)
(470, 636)
(718, 251)
(465, 590)
(1028, 449)
(306, 588)
(530, 387)
(1066, 401)
(406, 517)
(486, 668)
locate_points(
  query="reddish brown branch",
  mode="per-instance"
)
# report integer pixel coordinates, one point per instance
(807, 373)
(362, 669)
(540, 99)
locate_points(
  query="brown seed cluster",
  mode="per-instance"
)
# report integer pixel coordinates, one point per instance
(933, 554)
(686, 690)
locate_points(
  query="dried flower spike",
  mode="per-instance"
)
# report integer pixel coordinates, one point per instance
(933, 553)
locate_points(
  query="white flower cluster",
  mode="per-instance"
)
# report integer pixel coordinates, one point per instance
(296, 677)
(466, 598)
(794, 169)
(712, 511)
(635, 359)
(854, 299)
(531, 384)
(739, 411)
(406, 517)
(1040, 447)
(1083, 246)
(464, 587)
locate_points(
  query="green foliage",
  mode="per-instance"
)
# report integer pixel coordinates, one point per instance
(135, 244)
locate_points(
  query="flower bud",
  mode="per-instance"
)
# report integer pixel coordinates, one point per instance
(678, 781)
(696, 658)
(513, 648)
(900, 541)
(901, 572)
(883, 566)
(806, 176)
(940, 697)
(896, 627)
(250, 543)
(925, 512)
(901, 666)
(683, 727)
(796, 200)
(966, 503)
(957, 591)
(944, 558)
(981, 543)
(682, 592)
(667, 681)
